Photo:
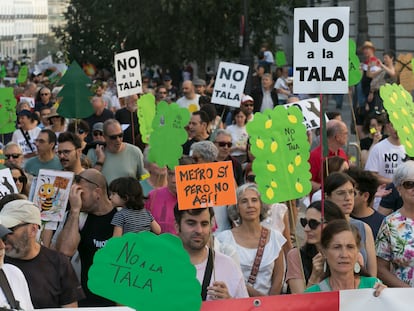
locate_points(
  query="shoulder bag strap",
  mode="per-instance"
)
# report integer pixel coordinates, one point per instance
(5, 286)
(259, 255)
(207, 275)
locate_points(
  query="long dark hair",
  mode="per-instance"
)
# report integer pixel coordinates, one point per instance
(308, 251)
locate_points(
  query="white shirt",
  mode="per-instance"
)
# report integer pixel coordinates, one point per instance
(191, 104)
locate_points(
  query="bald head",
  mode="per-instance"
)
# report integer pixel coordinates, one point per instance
(188, 89)
(334, 127)
(96, 177)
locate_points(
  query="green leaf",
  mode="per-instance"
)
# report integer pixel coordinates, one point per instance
(146, 272)
(146, 113)
(22, 75)
(7, 110)
(280, 58)
(355, 74)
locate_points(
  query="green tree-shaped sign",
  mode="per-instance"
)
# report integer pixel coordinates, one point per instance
(168, 134)
(75, 92)
(7, 110)
(146, 272)
(281, 149)
(355, 74)
(146, 113)
(400, 108)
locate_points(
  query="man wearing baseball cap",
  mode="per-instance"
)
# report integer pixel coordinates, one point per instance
(50, 276)
(20, 295)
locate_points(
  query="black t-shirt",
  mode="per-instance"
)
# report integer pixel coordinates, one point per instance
(106, 114)
(51, 279)
(94, 235)
(374, 221)
(124, 116)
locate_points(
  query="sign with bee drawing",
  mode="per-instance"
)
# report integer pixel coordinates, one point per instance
(7, 184)
(51, 193)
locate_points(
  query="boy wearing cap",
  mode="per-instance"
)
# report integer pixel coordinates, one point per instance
(50, 276)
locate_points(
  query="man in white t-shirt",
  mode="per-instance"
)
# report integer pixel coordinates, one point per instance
(194, 229)
(190, 98)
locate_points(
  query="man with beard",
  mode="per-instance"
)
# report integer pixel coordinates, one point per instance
(49, 274)
(117, 158)
(70, 152)
(194, 229)
(190, 98)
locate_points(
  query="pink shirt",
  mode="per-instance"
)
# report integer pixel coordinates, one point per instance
(161, 205)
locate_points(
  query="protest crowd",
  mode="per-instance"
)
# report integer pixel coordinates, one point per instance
(359, 236)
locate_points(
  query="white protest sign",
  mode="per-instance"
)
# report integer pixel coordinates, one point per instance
(310, 109)
(229, 85)
(128, 73)
(320, 42)
(7, 184)
(28, 100)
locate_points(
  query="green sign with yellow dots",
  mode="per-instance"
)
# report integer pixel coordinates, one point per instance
(279, 143)
(400, 108)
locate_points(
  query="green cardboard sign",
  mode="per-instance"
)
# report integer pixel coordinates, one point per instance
(400, 107)
(146, 272)
(281, 149)
(168, 134)
(7, 110)
(146, 114)
(354, 73)
(22, 75)
(76, 93)
(280, 58)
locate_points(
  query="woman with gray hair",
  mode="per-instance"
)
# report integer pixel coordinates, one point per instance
(259, 249)
(204, 152)
(395, 239)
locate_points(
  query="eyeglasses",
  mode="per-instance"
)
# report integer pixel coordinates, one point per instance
(21, 179)
(408, 184)
(114, 137)
(312, 223)
(78, 178)
(65, 152)
(251, 178)
(344, 193)
(223, 144)
(13, 155)
(18, 226)
(44, 94)
(81, 131)
(40, 140)
(97, 133)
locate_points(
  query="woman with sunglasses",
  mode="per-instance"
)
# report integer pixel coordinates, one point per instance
(395, 239)
(239, 135)
(340, 242)
(81, 129)
(305, 265)
(20, 178)
(259, 249)
(340, 189)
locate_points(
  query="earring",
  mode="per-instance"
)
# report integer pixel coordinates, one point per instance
(357, 267)
(325, 266)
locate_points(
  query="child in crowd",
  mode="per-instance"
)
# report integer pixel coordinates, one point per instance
(126, 193)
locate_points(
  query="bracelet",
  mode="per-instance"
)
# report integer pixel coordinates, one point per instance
(99, 163)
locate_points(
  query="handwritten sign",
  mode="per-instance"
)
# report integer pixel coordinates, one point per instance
(229, 85)
(51, 193)
(146, 272)
(205, 185)
(281, 149)
(310, 109)
(321, 50)
(128, 73)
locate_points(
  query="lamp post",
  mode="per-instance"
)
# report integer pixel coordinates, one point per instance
(245, 55)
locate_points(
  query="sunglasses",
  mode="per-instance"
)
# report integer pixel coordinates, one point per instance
(408, 184)
(21, 179)
(44, 94)
(114, 137)
(78, 178)
(97, 133)
(251, 178)
(13, 155)
(81, 131)
(312, 223)
(222, 144)
(248, 105)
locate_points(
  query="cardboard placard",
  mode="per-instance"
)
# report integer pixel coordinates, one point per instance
(310, 109)
(128, 73)
(205, 185)
(321, 50)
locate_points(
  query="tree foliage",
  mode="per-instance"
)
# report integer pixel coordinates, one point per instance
(168, 32)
